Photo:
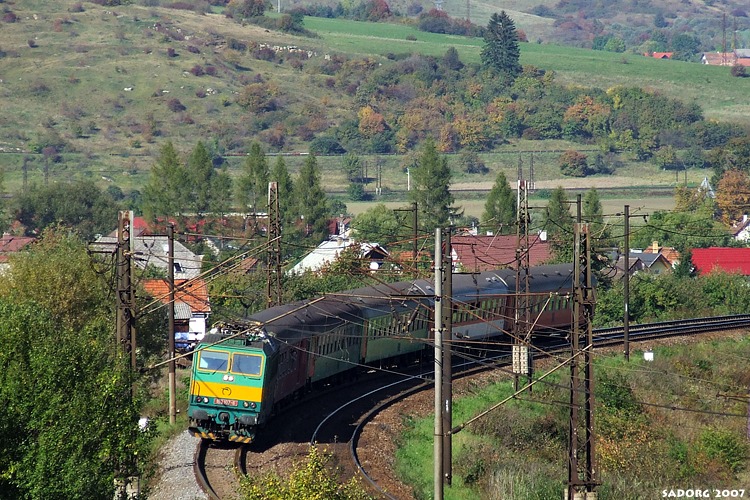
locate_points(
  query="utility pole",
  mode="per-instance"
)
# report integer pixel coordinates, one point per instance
(126, 334)
(581, 483)
(626, 285)
(521, 359)
(438, 338)
(273, 282)
(415, 233)
(172, 367)
(447, 324)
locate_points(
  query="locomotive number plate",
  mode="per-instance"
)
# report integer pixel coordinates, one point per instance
(225, 402)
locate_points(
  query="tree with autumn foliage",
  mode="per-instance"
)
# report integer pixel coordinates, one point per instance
(371, 123)
(733, 195)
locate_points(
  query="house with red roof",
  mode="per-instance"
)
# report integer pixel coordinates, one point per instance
(659, 55)
(474, 253)
(192, 308)
(669, 253)
(731, 260)
(9, 245)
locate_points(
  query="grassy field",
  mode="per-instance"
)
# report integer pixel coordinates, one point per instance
(519, 449)
(102, 81)
(721, 96)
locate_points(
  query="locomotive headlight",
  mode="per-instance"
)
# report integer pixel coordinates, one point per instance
(253, 405)
(225, 378)
(245, 404)
(231, 378)
(205, 400)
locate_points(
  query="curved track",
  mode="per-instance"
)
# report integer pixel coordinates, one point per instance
(602, 337)
(339, 418)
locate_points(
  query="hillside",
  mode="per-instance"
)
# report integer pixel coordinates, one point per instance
(92, 91)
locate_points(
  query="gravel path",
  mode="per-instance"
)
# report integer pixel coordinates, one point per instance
(176, 479)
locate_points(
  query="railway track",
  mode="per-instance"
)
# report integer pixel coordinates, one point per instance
(214, 475)
(603, 337)
(335, 428)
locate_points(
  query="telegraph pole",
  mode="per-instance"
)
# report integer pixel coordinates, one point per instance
(126, 334)
(172, 367)
(626, 286)
(447, 324)
(438, 338)
(581, 483)
(273, 283)
(521, 358)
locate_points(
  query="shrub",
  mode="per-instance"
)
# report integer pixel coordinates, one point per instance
(32, 43)
(197, 70)
(76, 7)
(171, 52)
(10, 17)
(573, 163)
(193, 49)
(211, 70)
(175, 105)
(724, 445)
(472, 163)
(739, 71)
(326, 145)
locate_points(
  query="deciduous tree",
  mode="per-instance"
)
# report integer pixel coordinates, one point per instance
(379, 224)
(733, 195)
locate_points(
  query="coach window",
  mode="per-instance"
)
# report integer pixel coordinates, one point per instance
(217, 361)
(247, 364)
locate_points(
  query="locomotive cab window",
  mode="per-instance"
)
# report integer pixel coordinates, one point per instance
(247, 364)
(213, 360)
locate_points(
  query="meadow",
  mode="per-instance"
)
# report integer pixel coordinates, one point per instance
(102, 80)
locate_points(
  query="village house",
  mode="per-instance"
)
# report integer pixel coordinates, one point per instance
(9, 245)
(328, 251)
(475, 253)
(659, 55)
(192, 308)
(727, 259)
(738, 57)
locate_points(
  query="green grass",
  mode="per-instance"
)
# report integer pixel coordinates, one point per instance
(519, 450)
(73, 82)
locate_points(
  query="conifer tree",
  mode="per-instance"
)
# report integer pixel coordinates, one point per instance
(312, 203)
(164, 192)
(559, 226)
(252, 186)
(431, 178)
(200, 170)
(500, 207)
(593, 212)
(500, 53)
(280, 174)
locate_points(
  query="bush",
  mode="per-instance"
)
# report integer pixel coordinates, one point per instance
(725, 446)
(573, 164)
(472, 163)
(326, 145)
(739, 71)
(175, 105)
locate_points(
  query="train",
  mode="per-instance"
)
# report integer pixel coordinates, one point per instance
(244, 371)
